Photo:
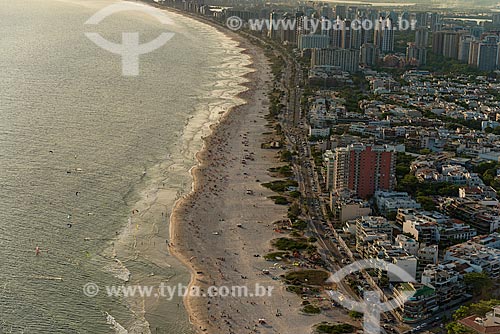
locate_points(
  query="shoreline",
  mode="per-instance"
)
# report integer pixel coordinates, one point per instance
(143, 235)
(196, 173)
(221, 233)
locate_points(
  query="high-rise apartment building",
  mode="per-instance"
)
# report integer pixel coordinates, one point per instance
(346, 35)
(446, 43)
(464, 47)
(329, 159)
(438, 42)
(345, 59)
(414, 53)
(435, 22)
(373, 15)
(273, 32)
(384, 35)
(326, 11)
(495, 17)
(364, 169)
(369, 54)
(473, 53)
(477, 31)
(336, 34)
(312, 41)
(300, 25)
(352, 12)
(417, 52)
(488, 53)
(450, 44)
(359, 36)
(421, 19)
(421, 37)
(341, 11)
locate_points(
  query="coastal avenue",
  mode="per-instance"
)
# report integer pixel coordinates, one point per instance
(319, 221)
(296, 135)
(297, 138)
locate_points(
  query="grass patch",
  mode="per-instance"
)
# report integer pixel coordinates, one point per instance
(284, 171)
(299, 225)
(280, 185)
(287, 244)
(310, 309)
(355, 315)
(295, 289)
(300, 290)
(280, 200)
(334, 329)
(274, 255)
(310, 277)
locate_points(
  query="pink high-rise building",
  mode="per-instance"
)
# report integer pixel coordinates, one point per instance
(364, 169)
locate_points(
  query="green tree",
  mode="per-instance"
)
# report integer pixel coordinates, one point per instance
(448, 190)
(456, 328)
(479, 283)
(484, 166)
(427, 203)
(479, 309)
(461, 312)
(334, 328)
(402, 170)
(495, 184)
(295, 209)
(391, 215)
(286, 156)
(425, 151)
(355, 315)
(409, 183)
(489, 176)
(299, 225)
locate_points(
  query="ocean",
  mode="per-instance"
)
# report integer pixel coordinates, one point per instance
(92, 162)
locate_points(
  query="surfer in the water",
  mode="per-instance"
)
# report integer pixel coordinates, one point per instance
(37, 251)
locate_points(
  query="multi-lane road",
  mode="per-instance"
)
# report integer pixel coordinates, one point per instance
(296, 135)
(333, 249)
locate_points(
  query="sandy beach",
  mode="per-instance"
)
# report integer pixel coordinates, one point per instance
(221, 232)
